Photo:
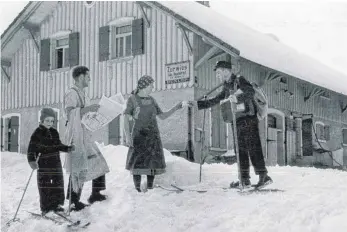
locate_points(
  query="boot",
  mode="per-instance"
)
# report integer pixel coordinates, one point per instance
(59, 209)
(246, 184)
(137, 182)
(150, 181)
(96, 196)
(79, 206)
(264, 180)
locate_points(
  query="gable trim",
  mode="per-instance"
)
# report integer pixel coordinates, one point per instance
(196, 29)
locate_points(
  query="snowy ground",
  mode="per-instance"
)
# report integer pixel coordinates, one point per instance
(314, 200)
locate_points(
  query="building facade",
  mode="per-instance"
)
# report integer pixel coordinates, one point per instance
(121, 41)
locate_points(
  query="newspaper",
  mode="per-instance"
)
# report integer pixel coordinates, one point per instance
(109, 109)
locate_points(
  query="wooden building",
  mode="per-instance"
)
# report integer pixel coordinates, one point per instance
(174, 43)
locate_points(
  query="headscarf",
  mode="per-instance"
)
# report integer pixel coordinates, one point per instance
(143, 83)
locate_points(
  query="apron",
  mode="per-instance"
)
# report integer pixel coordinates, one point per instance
(146, 157)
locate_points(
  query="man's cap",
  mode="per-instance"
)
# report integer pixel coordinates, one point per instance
(222, 64)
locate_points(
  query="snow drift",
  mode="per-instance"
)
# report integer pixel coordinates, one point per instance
(313, 199)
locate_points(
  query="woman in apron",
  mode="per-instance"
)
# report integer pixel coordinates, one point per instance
(146, 155)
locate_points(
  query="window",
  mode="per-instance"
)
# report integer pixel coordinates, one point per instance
(344, 136)
(322, 131)
(121, 40)
(60, 53)
(271, 121)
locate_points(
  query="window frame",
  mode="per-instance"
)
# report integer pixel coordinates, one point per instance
(113, 25)
(53, 42)
(315, 127)
(54, 48)
(344, 144)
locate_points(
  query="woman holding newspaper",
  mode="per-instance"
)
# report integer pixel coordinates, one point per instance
(145, 156)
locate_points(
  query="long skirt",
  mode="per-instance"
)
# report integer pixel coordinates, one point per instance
(146, 157)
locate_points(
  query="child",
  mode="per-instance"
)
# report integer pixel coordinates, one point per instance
(43, 154)
(145, 156)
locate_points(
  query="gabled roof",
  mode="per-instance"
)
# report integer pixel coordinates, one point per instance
(229, 35)
(255, 46)
(14, 35)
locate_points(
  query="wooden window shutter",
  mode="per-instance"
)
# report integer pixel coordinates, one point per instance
(6, 129)
(104, 43)
(14, 146)
(344, 136)
(327, 133)
(74, 49)
(2, 134)
(45, 55)
(307, 146)
(138, 37)
(56, 121)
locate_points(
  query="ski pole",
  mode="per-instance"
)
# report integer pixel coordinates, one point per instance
(202, 159)
(236, 144)
(15, 215)
(70, 182)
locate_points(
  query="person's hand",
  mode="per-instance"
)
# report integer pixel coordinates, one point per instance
(33, 165)
(93, 108)
(233, 98)
(179, 105)
(71, 148)
(192, 103)
(129, 141)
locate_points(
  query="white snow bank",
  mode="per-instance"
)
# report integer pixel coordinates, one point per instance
(229, 153)
(314, 200)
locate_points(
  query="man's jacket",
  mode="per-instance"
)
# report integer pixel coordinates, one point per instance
(246, 96)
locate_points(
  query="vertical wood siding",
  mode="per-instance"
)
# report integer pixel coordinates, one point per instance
(320, 107)
(164, 44)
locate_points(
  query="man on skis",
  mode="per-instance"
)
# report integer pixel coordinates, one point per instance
(240, 91)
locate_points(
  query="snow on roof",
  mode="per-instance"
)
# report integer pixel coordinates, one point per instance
(259, 47)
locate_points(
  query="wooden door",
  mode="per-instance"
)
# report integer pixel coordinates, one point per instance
(219, 132)
(291, 146)
(272, 146)
(114, 131)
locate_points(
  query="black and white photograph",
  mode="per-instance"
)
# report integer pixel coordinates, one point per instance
(174, 116)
